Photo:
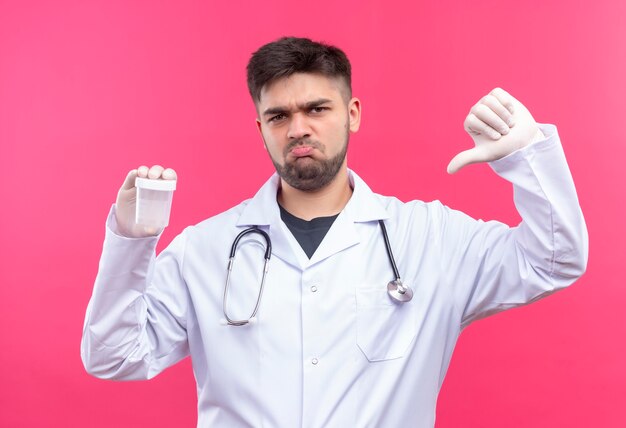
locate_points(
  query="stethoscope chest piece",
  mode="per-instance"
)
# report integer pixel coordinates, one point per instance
(399, 292)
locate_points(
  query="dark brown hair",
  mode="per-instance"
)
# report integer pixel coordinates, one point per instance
(290, 55)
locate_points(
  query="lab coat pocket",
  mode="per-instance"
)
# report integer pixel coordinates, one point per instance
(385, 329)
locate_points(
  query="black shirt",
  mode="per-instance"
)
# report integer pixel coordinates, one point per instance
(309, 234)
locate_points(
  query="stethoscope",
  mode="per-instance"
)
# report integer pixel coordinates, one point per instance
(397, 291)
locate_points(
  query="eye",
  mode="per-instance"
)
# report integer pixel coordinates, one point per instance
(318, 109)
(276, 118)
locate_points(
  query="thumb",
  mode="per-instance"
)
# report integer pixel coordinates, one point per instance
(129, 182)
(465, 158)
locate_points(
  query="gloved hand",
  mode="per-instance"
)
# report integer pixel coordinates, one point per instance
(499, 125)
(126, 201)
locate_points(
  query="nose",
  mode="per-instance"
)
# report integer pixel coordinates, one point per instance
(298, 127)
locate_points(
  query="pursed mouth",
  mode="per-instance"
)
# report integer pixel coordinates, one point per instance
(301, 151)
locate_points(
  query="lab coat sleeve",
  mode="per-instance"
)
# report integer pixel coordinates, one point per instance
(493, 267)
(135, 324)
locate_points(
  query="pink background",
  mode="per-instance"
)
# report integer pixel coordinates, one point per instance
(89, 90)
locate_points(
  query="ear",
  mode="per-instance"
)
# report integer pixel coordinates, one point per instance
(258, 126)
(354, 111)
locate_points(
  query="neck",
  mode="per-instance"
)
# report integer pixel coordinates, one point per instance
(328, 201)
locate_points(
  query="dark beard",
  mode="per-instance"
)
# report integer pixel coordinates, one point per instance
(315, 174)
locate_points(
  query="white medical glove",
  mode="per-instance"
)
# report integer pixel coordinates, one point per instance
(499, 125)
(127, 197)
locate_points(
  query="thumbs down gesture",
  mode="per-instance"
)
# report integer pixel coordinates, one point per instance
(499, 125)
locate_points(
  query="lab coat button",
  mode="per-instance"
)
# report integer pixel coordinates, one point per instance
(314, 361)
(313, 288)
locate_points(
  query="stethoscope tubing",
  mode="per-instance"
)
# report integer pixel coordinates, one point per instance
(231, 262)
(390, 256)
(397, 291)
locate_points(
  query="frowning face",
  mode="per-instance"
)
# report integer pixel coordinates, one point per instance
(305, 121)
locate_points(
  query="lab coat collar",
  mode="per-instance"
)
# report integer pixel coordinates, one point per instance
(364, 205)
(263, 211)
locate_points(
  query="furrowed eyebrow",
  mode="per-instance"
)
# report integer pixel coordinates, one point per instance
(306, 106)
(315, 103)
(275, 110)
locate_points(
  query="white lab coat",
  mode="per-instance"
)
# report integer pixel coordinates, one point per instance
(330, 349)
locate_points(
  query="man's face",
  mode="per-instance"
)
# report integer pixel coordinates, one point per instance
(305, 121)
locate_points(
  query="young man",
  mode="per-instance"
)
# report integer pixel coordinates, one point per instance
(332, 344)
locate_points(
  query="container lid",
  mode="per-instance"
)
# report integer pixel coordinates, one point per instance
(147, 183)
